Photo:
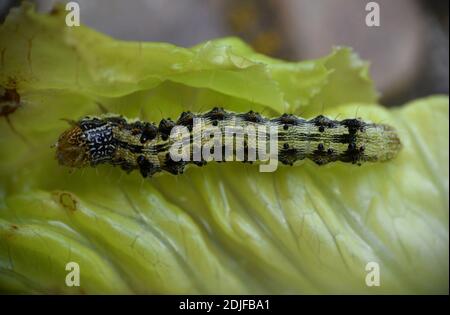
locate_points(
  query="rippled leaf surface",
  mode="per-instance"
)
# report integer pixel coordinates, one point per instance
(224, 228)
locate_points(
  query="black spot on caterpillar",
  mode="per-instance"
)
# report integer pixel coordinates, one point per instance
(144, 146)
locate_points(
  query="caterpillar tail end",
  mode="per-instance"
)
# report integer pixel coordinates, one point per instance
(384, 144)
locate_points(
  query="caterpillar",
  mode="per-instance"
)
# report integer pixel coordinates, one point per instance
(147, 147)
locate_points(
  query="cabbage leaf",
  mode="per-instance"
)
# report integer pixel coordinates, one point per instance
(223, 228)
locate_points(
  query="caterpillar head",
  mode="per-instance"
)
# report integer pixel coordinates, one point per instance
(89, 141)
(71, 148)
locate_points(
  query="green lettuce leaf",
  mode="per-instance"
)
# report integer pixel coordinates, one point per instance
(224, 228)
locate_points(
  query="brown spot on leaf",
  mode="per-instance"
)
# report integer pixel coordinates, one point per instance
(68, 201)
(9, 101)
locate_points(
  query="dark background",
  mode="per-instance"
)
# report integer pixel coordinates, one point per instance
(409, 52)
